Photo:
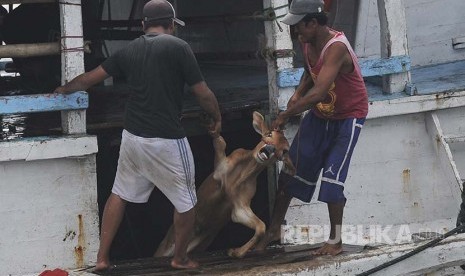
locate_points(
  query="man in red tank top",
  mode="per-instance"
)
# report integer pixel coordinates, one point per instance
(333, 90)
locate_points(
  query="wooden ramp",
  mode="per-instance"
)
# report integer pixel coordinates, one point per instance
(219, 263)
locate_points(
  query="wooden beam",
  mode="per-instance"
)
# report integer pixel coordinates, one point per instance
(33, 49)
(277, 36)
(72, 60)
(393, 41)
(10, 2)
(43, 103)
(385, 66)
(42, 148)
(442, 149)
(370, 67)
(30, 50)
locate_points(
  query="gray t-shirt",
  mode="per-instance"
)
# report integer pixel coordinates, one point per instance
(156, 68)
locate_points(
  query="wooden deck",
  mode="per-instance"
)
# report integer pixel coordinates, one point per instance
(218, 263)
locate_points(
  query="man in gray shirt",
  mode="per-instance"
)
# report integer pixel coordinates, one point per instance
(154, 148)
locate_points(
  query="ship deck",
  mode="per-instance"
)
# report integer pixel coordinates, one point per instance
(445, 256)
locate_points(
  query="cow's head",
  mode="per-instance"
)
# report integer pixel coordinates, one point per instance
(274, 145)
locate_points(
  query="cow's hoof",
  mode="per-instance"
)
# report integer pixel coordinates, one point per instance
(235, 253)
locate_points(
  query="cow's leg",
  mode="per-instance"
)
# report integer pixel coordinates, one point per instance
(220, 146)
(201, 243)
(166, 247)
(273, 233)
(244, 215)
(196, 244)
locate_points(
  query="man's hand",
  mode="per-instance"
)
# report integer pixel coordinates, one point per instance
(60, 90)
(280, 121)
(213, 127)
(209, 104)
(83, 81)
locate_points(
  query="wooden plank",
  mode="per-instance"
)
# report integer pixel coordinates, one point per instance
(30, 50)
(385, 66)
(439, 78)
(415, 104)
(277, 36)
(8, 2)
(41, 148)
(43, 103)
(454, 139)
(393, 41)
(289, 77)
(442, 148)
(72, 60)
(370, 67)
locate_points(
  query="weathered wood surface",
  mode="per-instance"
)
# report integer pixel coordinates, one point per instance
(393, 41)
(43, 103)
(370, 68)
(72, 60)
(30, 50)
(7, 2)
(431, 25)
(218, 263)
(243, 89)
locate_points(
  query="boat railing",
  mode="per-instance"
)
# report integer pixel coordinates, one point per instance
(71, 47)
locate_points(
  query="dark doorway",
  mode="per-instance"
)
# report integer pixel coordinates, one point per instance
(145, 225)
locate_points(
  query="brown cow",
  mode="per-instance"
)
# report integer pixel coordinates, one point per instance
(226, 193)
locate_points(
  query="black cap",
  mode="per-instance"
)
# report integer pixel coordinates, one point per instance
(160, 9)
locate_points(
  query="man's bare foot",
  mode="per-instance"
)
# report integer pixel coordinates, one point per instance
(103, 263)
(184, 264)
(329, 249)
(102, 266)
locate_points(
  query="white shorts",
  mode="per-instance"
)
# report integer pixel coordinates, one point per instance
(148, 162)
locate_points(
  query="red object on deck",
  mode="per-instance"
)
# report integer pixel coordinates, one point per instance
(55, 272)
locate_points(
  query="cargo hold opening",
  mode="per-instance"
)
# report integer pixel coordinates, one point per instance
(226, 40)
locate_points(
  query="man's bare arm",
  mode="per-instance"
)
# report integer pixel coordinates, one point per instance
(83, 81)
(332, 64)
(209, 104)
(304, 86)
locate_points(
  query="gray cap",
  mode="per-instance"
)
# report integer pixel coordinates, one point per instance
(300, 8)
(160, 9)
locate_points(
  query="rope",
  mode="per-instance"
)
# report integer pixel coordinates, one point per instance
(73, 49)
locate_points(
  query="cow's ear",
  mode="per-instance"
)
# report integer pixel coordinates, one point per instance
(259, 123)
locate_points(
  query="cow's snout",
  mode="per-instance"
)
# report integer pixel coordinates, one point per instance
(265, 153)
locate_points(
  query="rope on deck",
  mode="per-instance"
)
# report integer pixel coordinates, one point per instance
(459, 229)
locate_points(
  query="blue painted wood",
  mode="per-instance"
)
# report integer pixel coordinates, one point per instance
(2, 65)
(370, 67)
(289, 77)
(43, 103)
(384, 66)
(446, 77)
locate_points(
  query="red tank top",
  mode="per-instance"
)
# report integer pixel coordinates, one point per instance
(347, 96)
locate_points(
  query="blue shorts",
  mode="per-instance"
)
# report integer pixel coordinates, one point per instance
(322, 144)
